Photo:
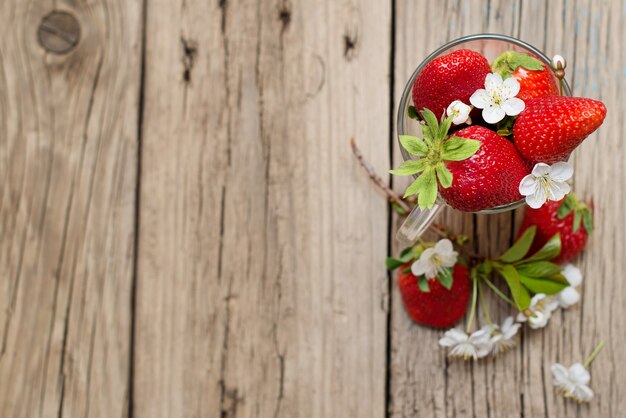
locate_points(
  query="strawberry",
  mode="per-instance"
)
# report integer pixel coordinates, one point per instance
(563, 217)
(487, 179)
(535, 78)
(455, 76)
(438, 307)
(551, 127)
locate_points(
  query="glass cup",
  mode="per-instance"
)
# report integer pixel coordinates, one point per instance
(490, 46)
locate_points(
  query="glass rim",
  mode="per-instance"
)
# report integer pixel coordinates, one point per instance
(406, 93)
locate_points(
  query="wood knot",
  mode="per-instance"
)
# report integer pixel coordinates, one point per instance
(349, 46)
(59, 32)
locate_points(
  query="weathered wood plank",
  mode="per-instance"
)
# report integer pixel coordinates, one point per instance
(261, 281)
(519, 383)
(68, 135)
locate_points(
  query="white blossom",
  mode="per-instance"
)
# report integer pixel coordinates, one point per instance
(572, 382)
(498, 99)
(539, 312)
(502, 337)
(435, 260)
(459, 112)
(570, 296)
(475, 346)
(546, 182)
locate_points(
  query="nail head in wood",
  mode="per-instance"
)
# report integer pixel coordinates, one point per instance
(59, 32)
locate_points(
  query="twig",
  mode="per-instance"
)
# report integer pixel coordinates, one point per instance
(378, 181)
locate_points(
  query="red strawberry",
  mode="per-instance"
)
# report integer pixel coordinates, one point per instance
(487, 179)
(455, 76)
(439, 307)
(551, 127)
(535, 78)
(564, 217)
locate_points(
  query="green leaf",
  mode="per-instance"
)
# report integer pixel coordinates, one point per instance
(549, 287)
(422, 282)
(427, 134)
(444, 175)
(578, 217)
(425, 187)
(526, 61)
(539, 269)
(444, 127)
(550, 250)
(407, 251)
(445, 278)
(509, 61)
(588, 221)
(558, 278)
(414, 145)
(393, 263)
(521, 246)
(519, 292)
(431, 121)
(412, 113)
(566, 207)
(409, 167)
(454, 152)
(504, 132)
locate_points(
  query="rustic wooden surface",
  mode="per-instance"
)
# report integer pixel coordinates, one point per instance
(186, 234)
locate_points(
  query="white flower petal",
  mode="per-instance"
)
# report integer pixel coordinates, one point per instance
(560, 373)
(420, 267)
(493, 84)
(558, 190)
(510, 88)
(493, 114)
(572, 274)
(537, 199)
(582, 393)
(579, 374)
(561, 171)
(444, 247)
(541, 169)
(481, 99)
(528, 185)
(568, 297)
(521, 317)
(513, 106)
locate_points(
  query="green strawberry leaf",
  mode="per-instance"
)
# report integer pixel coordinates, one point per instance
(393, 263)
(409, 167)
(510, 61)
(431, 121)
(521, 246)
(412, 113)
(550, 250)
(539, 269)
(535, 285)
(578, 217)
(422, 282)
(566, 207)
(588, 221)
(518, 291)
(414, 145)
(459, 149)
(444, 127)
(445, 278)
(425, 187)
(444, 175)
(407, 251)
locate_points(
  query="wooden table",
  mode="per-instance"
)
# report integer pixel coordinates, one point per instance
(185, 232)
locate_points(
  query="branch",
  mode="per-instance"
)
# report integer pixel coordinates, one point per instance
(378, 181)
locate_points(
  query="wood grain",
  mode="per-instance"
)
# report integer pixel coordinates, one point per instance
(261, 281)
(68, 135)
(519, 383)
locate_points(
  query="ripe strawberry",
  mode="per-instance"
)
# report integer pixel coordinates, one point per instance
(455, 76)
(564, 217)
(535, 78)
(551, 127)
(439, 307)
(487, 179)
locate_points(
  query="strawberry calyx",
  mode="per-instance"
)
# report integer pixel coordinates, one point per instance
(582, 213)
(510, 61)
(432, 151)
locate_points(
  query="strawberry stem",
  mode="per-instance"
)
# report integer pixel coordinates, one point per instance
(594, 354)
(499, 292)
(470, 319)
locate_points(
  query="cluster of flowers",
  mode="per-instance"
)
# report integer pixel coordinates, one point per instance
(497, 100)
(493, 339)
